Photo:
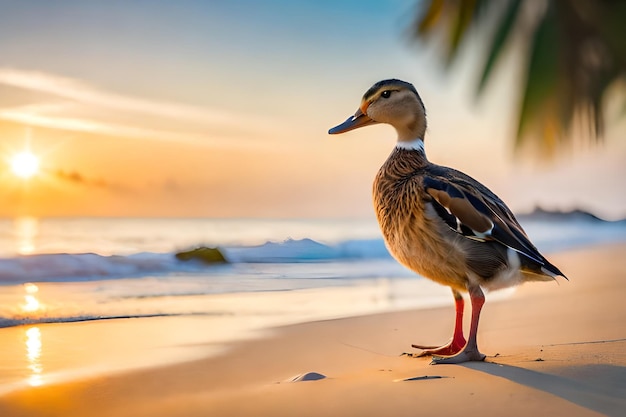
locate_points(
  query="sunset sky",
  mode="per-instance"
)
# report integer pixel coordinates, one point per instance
(221, 109)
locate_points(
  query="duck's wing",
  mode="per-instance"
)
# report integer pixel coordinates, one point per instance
(473, 211)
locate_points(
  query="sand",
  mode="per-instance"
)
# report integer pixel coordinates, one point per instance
(553, 349)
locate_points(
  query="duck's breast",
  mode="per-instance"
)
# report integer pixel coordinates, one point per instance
(414, 234)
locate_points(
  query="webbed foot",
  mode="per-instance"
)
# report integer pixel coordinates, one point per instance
(466, 355)
(449, 349)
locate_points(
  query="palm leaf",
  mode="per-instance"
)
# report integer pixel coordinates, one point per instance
(537, 108)
(430, 18)
(461, 19)
(454, 15)
(575, 54)
(499, 40)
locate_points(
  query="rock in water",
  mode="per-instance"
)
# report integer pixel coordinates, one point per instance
(203, 254)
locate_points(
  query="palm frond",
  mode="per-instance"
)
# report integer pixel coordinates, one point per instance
(541, 86)
(430, 17)
(461, 18)
(500, 38)
(575, 53)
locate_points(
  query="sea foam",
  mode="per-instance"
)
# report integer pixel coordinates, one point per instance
(90, 266)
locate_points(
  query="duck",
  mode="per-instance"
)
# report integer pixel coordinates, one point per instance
(440, 222)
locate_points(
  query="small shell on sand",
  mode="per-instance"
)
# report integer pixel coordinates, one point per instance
(309, 376)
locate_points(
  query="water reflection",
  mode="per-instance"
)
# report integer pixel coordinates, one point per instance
(32, 340)
(25, 230)
(33, 355)
(31, 302)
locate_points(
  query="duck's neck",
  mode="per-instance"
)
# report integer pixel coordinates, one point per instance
(412, 127)
(406, 157)
(412, 145)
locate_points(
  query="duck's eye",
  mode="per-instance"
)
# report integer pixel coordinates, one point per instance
(386, 94)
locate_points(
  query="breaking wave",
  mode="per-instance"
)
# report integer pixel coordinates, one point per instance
(91, 266)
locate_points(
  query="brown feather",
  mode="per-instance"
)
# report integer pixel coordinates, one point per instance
(463, 210)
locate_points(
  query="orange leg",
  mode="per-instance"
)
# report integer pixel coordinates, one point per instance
(458, 340)
(470, 352)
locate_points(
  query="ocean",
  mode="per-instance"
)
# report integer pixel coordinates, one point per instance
(75, 269)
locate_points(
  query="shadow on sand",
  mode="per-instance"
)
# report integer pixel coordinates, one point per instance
(602, 388)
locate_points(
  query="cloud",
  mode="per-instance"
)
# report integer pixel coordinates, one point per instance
(28, 117)
(79, 179)
(72, 176)
(186, 123)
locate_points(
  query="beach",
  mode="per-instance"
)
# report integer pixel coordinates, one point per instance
(194, 223)
(552, 349)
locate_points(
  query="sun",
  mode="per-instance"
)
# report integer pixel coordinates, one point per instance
(25, 164)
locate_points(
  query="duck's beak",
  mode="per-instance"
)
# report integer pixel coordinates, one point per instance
(359, 119)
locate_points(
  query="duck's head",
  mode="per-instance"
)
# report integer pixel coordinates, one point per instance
(394, 102)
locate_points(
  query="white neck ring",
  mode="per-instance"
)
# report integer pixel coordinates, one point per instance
(415, 144)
